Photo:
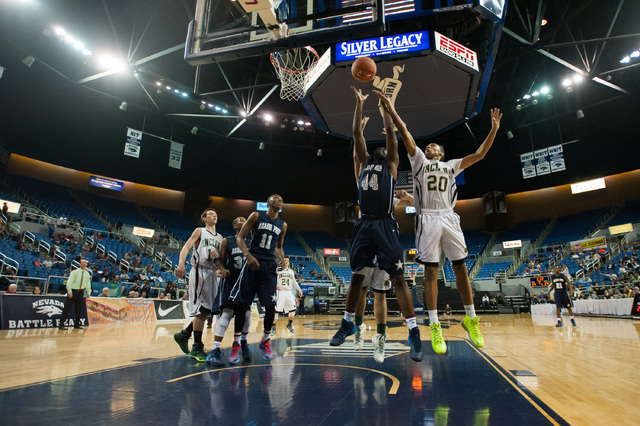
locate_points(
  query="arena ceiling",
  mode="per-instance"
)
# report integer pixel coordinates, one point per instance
(62, 108)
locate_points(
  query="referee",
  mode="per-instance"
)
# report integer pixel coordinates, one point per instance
(79, 280)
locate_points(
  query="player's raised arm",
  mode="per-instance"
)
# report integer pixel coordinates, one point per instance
(471, 159)
(404, 197)
(180, 270)
(409, 143)
(392, 158)
(360, 154)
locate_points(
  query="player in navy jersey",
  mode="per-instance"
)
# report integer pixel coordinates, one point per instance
(561, 285)
(231, 261)
(375, 234)
(437, 225)
(258, 275)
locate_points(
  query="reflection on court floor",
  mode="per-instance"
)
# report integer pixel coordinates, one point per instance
(306, 384)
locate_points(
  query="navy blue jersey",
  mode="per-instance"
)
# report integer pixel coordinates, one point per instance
(376, 187)
(265, 237)
(559, 283)
(234, 258)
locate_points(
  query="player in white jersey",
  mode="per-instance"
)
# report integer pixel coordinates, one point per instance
(437, 225)
(203, 282)
(287, 286)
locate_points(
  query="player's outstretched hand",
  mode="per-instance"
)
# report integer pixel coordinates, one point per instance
(359, 96)
(496, 116)
(386, 102)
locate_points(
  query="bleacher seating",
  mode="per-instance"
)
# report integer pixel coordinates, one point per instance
(118, 211)
(180, 226)
(292, 246)
(490, 269)
(574, 227)
(524, 231)
(448, 268)
(630, 213)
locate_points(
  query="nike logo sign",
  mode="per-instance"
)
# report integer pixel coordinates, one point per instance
(164, 312)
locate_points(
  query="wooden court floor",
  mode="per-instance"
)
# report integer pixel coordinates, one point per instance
(529, 372)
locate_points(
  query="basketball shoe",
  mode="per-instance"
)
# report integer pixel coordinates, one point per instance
(559, 324)
(378, 347)
(183, 341)
(573, 322)
(437, 341)
(197, 352)
(273, 330)
(215, 357)
(358, 341)
(246, 352)
(473, 330)
(290, 328)
(265, 347)
(347, 328)
(236, 351)
(416, 344)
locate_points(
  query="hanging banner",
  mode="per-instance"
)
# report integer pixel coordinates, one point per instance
(528, 167)
(132, 146)
(542, 162)
(175, 155)
(556, 156)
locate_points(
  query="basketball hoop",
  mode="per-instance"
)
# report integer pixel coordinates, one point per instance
(292, 68)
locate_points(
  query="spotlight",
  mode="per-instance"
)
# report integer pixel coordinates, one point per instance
(544, 90)
(569, 89)
(194, 130)
(319, 153)
(300, 122)
(527, 96)
(261, 147)
(2, 71)
(577, 78)
(268, 117)
(579, 113)
(123, 106)
(534, 102)
(28, 61)
(202, 106)
(566, 82)
(518, 107)
(509, 134)
(536, 93)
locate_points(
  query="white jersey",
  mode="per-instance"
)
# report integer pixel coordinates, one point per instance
(287, 279)
(208, 251)
(434, 184)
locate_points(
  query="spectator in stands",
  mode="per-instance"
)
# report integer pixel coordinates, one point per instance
(5, 211)
(13, 289)
(162, 295)
(447, 309)
(37, 263)
(169, 297)
(607, 295)
(626, 292)
(593, 295)
(617, 294)
(485, 301)
(36, 290)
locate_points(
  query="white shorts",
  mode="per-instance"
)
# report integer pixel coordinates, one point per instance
(286, 302)
(375, 278)
(203, 289)
(439, 232)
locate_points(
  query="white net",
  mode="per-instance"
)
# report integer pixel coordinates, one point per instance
(292, 67)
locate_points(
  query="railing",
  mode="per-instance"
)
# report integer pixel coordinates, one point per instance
(8, 262)
(100, 249)
(124, 265)
(29, 237)
(112, 255)
(43, 246)
(60, 255)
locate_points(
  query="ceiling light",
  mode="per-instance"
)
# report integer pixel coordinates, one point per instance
(261, 147)
(544, 22)
(301, 128)
(159, 91)
(579, 113)
(194, 130)
(569, 89)
(86, 52)
(509, 134)
(319, 153)
(527, 96)
(176, 90)
(577, 78)
(518, 107)
(566, 82)
(224, 111)
(268, 117)
(168, 87)
(123, 106)
(2, 71)
(158, 83)
(202, 107)
(28, 61)
(635, 54)
(306, 123)
(544, 90)
(536, 93)
(300, 122)
(217, 108)
(184, 94)
(625, 60)
(282, 126)
(243, 113)
(69, 39)
(59, 31)
(110, 63)
(210, 105)
(534, 102)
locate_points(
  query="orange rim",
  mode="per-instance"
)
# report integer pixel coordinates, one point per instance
(310, 49)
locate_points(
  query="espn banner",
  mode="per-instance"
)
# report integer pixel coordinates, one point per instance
(132, 146)
(168, 310)
(20, 311)
(105, 310)
(588, 244)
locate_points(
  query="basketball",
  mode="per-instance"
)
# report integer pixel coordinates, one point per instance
(364, 69)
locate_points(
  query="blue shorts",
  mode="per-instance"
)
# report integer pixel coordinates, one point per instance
(226, 284)
(562, 300)
(262, 282)
(377, 237)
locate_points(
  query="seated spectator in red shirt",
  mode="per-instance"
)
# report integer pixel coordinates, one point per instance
(38, 263)
(13, 289)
